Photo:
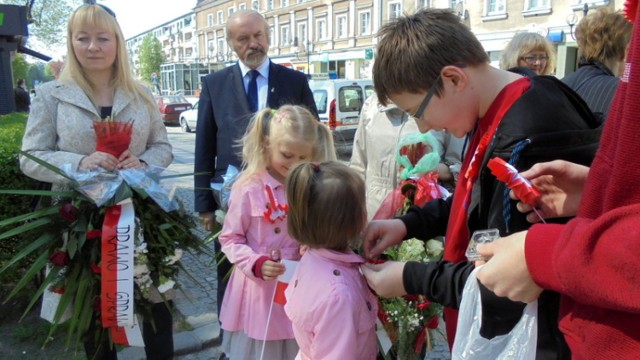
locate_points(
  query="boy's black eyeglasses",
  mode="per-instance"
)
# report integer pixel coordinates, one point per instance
(425, 101)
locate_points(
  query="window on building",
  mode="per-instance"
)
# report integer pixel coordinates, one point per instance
(537, 4)
(230, 11)
(395, 10)
(210, 20)
(285, 36)
(453, 3)
(321, 29)
(221, 50)
(302, 34)
(220, 17)
(341, 26)
(255, 5)
(242, 6)
(496, 7)
(424, 4)
(284, 3)
(365, 23)
(272, 36)
(269, 4)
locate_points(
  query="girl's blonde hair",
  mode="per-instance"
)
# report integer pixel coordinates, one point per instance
(326, 205)
(524, 43)
(290, 122)
(122, 77)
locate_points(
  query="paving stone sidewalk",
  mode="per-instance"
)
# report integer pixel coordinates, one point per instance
(197, 331)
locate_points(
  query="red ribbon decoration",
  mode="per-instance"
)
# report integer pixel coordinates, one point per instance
(506, 173)
(275, 210)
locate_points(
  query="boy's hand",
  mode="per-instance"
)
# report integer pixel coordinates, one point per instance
(385, 278)
(380, 234)
(560, 184)
(271, 270)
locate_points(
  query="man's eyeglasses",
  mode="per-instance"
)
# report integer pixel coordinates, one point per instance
(531, 59)
(423, 105)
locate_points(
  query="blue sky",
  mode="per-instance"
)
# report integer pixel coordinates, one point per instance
(136, 16)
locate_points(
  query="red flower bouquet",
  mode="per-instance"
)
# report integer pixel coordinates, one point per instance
(112, 136)
(409, 319)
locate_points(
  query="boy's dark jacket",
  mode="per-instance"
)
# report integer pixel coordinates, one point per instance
(548, 122)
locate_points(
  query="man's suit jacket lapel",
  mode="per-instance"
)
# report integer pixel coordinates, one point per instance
(237, 87)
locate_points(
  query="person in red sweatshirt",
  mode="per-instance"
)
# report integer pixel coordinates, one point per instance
(593, 260)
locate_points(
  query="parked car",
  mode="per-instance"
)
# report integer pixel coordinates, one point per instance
(189, 119)
(171, 106)
(339, 103)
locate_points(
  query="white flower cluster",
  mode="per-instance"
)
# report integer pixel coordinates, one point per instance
(220, 216)
(177, 255)
(141, 272)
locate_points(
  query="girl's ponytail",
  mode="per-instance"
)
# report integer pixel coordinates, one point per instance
(325, 149)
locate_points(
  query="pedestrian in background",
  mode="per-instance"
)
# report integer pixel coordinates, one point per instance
(328, 301)
(228, 99)
(97, 82)
(379, 131)
(529, 50)
(603, 37)
(255, 230)
(22, 97)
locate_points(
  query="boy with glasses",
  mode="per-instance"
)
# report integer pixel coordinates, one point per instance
(432, 66)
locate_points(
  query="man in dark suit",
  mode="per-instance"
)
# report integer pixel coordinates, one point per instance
(227, 102)
(22, 97)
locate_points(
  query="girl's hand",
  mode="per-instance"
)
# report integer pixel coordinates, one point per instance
(97, 160)
(129, 161)
(271, 270)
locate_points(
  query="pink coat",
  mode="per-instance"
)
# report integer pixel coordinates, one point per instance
(245, 237)
(331, 307)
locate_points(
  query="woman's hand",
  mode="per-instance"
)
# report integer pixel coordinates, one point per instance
(271, 269)
(99, 159)
(129, 161)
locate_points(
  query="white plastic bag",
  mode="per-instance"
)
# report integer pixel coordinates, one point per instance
(519, 344)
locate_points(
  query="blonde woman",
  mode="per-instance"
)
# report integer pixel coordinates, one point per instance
(529, 50)
(96, 82)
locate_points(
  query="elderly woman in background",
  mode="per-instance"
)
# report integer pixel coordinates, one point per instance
(602, 39)
(529, 51)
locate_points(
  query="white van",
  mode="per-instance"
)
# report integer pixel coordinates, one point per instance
(339, 103)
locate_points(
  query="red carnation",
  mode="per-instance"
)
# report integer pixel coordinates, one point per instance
(94, 234)
(69, 212)
(96, 269)
(433, 323)
(57, 290)
(96, 304)
(59, 258)
(424, 305)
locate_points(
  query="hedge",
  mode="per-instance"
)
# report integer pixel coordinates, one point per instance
(11, 132)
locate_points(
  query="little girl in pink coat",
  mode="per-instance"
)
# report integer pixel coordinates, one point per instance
(332, 310)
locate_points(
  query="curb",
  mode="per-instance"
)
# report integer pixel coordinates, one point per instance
(204, 333)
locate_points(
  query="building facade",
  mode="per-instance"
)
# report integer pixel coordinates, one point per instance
(336, 39)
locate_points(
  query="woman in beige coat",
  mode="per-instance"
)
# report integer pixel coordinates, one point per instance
(96, 82)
